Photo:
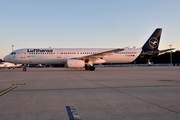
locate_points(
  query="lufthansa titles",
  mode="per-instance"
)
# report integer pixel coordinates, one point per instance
(39, 50)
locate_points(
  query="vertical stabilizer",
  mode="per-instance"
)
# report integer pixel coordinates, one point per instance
(153, 41)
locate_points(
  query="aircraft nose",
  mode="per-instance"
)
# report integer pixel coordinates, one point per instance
(6, 58)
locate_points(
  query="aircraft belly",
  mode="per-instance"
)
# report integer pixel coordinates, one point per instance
(39, 60)
(47, 61)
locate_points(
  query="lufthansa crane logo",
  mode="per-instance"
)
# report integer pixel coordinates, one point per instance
(153, 42)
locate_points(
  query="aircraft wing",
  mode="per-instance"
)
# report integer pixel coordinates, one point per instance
(100, 55)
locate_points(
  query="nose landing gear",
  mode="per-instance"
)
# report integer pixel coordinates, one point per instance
(24, 68)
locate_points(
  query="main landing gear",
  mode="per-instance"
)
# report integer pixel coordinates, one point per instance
(24, 68)
(91, 68)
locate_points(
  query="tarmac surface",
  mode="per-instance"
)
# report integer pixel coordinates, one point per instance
(110, 93)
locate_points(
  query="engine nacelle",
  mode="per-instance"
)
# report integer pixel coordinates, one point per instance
(73, 63)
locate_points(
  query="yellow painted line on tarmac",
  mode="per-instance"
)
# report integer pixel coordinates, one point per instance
(7, 90)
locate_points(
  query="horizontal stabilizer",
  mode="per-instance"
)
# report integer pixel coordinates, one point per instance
(165, 50)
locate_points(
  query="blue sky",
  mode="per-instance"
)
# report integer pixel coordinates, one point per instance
(87, 23)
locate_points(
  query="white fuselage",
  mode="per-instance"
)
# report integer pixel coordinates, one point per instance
(61, 55)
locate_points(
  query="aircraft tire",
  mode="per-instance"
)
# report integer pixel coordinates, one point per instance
(24, 69)
(92, 68)
(87, 68)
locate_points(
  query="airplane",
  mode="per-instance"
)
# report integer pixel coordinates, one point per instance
(9, 65)
(87, 57)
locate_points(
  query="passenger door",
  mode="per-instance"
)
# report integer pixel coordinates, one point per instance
(59, 53)
(23, 54)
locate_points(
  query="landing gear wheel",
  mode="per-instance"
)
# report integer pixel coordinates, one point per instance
(92, 68)
(24, 69)
(86, 67)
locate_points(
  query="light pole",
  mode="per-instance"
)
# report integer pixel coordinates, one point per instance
(12, 47)
(170, 55)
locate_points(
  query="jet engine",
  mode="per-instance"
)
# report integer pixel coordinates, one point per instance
(73, 63)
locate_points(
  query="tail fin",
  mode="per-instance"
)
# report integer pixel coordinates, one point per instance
(153, 41)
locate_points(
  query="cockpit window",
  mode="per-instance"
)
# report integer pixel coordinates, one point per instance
(13, 53)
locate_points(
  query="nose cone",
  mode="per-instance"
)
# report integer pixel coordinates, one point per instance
(6, 58)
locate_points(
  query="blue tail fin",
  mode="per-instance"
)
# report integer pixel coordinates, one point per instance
(153, 41)
(150, 48)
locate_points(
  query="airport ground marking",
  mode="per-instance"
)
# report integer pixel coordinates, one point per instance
(7, 90)
(72, 113)
(124, 87)
(13, 86)
(157, 105)
(97, 88)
